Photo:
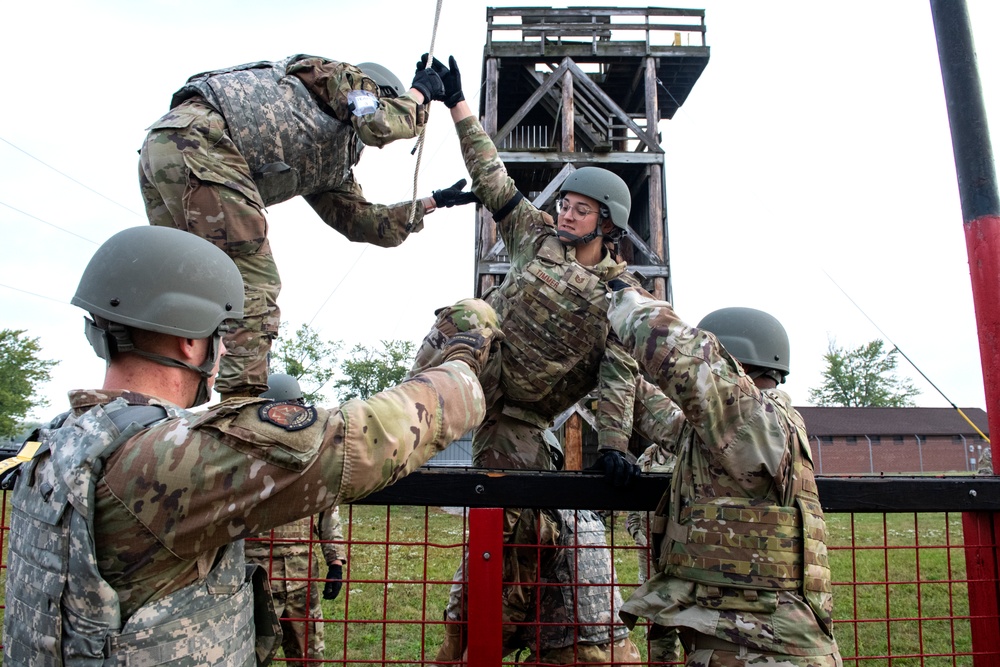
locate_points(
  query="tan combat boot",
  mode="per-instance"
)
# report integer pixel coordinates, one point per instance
(452, 651)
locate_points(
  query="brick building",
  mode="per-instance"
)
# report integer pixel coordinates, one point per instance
(851, 441)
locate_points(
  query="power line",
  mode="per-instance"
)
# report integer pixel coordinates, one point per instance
(917, 368)
(65, 175)
(40, 296)
(51, 224)
(337, 286)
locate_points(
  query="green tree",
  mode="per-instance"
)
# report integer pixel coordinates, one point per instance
(306, 357)
(863, 377)
(21, 373)
(369, 371)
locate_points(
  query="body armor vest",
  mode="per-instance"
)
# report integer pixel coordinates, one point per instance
(60, 610)
(750, 544)
(292, 145)
(554, 315)
(587, 592)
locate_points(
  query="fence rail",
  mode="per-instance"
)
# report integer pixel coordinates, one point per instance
(913, 558)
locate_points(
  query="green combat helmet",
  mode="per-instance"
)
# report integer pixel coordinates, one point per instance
(164, 280)
(388, 83)
(611, 193)
(282, 387)
(753, 337)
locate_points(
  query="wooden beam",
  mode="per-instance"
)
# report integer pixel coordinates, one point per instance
(588, 118)
(491, 93)
(657, 224)
(613, 158)
(568, 142)
(487, 228)
(595, 90)
(573, 443)
(528, 105)
(635, 240)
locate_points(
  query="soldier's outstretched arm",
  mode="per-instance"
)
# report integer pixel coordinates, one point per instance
(346, 210)
(519, 223)
(655, 417)
(615, 396)
(697, 373)
(251, 465)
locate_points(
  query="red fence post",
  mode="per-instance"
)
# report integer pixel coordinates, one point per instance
(977, 185)
(979, 530)
(485, 587)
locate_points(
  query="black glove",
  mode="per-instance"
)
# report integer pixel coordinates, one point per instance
(428, 82)
(472, 347)
(452, 81)
(453, 196)
(332, 589)
(616, 467)
(436, 65)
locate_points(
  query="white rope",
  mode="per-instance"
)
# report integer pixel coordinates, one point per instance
(420, 137)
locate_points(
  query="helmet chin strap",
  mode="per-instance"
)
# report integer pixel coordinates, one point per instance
(572, 239)
(775, 375)
(204, 370)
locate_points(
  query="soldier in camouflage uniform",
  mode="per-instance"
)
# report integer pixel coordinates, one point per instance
(552, 308)
(984, 466)
(286, 554)
(577, 621)
(655, 459)
(739, 538)
(126, 543)
(239, 139)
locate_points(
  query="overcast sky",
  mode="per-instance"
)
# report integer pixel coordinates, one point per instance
(815, 148)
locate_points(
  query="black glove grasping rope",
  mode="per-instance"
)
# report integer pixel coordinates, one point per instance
(429, 83)
(450, 77)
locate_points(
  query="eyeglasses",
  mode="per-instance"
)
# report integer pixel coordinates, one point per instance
(581, 210)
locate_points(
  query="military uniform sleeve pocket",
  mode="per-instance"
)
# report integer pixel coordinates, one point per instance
(287, 435)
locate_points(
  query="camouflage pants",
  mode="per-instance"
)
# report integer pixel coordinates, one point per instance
(301, 639)
(710, 658)
(193, 178)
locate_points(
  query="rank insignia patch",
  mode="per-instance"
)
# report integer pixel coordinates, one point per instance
(289, 416)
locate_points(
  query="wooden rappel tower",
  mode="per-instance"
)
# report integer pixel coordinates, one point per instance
(587, 86)
(566, 88)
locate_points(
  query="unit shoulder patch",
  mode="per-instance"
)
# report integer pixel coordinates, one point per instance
(288, 415)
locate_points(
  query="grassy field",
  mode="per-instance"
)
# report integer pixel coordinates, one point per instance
(875, 582)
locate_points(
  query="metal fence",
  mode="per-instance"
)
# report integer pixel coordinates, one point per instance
(914, 564)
